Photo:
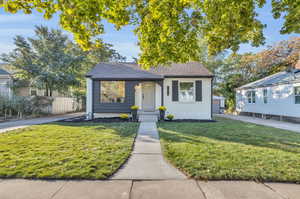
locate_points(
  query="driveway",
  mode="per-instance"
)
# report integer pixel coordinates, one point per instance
(162, 189)
(12, 125)
(272, 123)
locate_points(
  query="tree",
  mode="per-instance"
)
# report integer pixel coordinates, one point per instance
(237, 70)
(46, 61)
(51, 61)
(168, 30)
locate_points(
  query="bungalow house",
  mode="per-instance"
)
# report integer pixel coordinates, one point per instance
(275, 96)
(185, 90)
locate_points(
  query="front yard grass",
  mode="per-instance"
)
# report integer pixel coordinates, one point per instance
(232, 150)
(66, 150)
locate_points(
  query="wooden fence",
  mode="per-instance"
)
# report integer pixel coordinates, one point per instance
(62, 105)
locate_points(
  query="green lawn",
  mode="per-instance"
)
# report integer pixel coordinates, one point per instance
(66, 150)
(232, 150)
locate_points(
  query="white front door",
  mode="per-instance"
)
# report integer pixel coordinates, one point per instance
(148, 96)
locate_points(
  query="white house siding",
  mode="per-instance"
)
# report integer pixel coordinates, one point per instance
(89, 98)
(4, 88)
(189, 110)
(281, 101)
(157, 96)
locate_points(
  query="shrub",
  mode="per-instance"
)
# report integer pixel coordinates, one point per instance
(170, 117)
(162, 108)
(134, 107)
(124, 116)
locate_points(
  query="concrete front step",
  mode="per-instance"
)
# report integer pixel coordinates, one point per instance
(148, 118)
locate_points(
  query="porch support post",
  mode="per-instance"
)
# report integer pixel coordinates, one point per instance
(89, 99)
(161, 83)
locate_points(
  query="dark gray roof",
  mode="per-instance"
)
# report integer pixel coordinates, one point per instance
(134, 71)
(190, 69)
(284, 77)
(120, 71)
(3, 72)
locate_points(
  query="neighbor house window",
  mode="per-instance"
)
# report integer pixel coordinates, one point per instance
(186, 91)
(297, 95)
(33, 92)
(112, 91)
(251, 96)
(265, 96)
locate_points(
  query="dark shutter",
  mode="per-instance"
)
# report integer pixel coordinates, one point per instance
(198, 90)
(175, 91)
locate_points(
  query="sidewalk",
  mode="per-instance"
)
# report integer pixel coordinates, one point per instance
(146, 161)
(128, 189)
(272, 123)
(12, 125)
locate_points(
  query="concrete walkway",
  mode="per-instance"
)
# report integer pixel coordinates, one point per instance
(163, 189)
(272, 123)
(12, 125)
(146, 161)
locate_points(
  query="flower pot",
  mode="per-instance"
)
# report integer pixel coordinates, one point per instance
(162, 115)
(134, 115)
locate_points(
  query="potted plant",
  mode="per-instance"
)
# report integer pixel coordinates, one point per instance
(170, 117)
(124, 116)
(134, 110)
(162, 112)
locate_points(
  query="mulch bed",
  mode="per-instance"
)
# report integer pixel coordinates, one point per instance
(106, 120)
(189, 120)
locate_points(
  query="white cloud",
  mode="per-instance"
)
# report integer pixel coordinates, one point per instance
(6, 48)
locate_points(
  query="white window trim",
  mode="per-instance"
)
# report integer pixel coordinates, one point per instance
(251, 97)
(194, 92)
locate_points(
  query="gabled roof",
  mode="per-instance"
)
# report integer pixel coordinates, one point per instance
(134, 71)
(284, 77)
(120, 71)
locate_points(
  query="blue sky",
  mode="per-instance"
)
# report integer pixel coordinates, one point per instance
(124, 40)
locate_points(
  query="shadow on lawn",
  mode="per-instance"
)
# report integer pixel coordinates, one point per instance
(120, 129)
(228, 131)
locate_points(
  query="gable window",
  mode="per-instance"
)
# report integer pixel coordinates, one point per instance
(186, 91)
(112, 91)
(265, 96)
(297, 95)
(251, 96)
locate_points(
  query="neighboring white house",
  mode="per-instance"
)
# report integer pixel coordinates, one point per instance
(5, 80)
(185, 89)
(218, 104)
(275, 95)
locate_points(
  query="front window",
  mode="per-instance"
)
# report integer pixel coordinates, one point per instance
(251, 95)
(265, 96)
(112, 91)
(297, 95)
(186, 91)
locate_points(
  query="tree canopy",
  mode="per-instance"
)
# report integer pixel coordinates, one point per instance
(167, 30)
(51, 61)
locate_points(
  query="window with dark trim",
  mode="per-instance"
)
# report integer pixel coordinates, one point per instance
(297, 94)
(112, 91)
(186, 91)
